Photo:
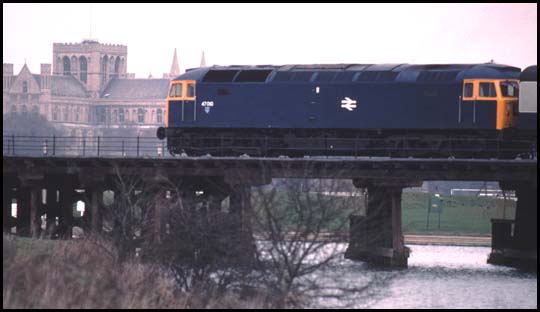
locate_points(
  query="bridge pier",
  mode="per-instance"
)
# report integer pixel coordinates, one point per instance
(67, 198)
(51, 210)
(23, 211)
(94, 207)
(35, 215)
(517, 248)
(377, 237)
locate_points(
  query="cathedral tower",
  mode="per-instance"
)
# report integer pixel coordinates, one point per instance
(91, 62)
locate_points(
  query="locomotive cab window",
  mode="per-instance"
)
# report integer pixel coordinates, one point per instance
(178, 92)
(468, 90)
(487, 89)
(509, 88)
(190, 90)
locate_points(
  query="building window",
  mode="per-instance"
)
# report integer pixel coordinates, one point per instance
(83, 68)
(77, 112)
(104, 63)
(25, 87)
(141, 115)
(55, 114)
(160, 115)
(66, 113)
(67, 66)
(35, 110)
(24, 109)
(100, 114)
(117, 67)
(121, 115)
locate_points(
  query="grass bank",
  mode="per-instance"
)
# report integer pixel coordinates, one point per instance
(83, 274)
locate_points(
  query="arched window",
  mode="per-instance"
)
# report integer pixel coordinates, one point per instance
(35, 109)
(67, 66)
(66, 114)
(111, 67)
(115, 116)
(25, 87)
(104, 64)
(24, 109)
(14, 109)
(160, 115)
(117, 67)
(84, 68)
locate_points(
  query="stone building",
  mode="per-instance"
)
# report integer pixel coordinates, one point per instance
(88, 91)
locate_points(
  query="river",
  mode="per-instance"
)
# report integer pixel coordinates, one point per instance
(438, 277)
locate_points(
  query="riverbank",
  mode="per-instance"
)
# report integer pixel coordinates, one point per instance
(448, 240)
(75, 274)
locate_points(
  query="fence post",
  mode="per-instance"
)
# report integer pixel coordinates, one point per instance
(162, 148)
(54, 145)
(84, 146)
(98, 139)
(137, 146)
(123, 154)
(13, 144)
(45, 147)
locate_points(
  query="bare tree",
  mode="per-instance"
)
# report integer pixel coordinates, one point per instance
(297, 228)
(300, 224)
(128, 219)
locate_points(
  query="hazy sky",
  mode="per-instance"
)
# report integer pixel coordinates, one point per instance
(276, 33)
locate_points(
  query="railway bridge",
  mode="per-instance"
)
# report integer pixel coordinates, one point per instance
(29, 166)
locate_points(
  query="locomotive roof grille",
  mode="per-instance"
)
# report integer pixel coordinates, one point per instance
(300, 76)
(345, 76)
(253, 75)
(325, 76)
(377, 76)
(438, 75)
(220, 76)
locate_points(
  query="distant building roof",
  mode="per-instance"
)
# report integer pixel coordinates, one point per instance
(67, 86)
(136, 89)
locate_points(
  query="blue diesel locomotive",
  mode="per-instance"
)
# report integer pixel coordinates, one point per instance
(346, 109)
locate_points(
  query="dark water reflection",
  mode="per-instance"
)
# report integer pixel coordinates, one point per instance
(437, 277)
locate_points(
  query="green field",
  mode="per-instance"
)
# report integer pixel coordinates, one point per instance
(459, 215)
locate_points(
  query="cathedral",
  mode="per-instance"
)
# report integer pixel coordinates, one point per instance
(88, 91)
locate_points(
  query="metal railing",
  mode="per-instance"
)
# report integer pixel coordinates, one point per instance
(50, 146)
(152, 147)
